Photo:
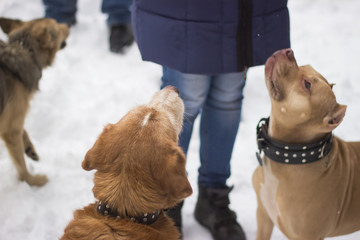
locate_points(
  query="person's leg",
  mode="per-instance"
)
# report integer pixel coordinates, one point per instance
(218, 128)
(119, 22)
(118, 11)
(193, 90)
(63, 11)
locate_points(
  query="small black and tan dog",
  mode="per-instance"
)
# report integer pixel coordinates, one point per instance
(31, 47)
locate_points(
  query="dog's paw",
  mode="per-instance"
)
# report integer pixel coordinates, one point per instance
(36, 180)
(30, 152)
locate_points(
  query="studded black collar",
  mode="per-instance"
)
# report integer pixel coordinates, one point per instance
(147, 218)
(289, 153)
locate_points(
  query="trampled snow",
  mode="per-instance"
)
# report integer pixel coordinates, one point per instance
(88, 87)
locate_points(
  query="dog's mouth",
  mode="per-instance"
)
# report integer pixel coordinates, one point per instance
(277, 67)
(63, 45)
(271, 82)
(269, 65)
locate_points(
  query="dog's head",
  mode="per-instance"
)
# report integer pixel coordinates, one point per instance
(44, 35)
(300, 96)
(140, 167)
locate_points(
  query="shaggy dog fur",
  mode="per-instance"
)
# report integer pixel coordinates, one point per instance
(140, 170)
(31, 47)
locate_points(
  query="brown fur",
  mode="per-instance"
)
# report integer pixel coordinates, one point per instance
(31, 47)
(315, 200)
(140, 169)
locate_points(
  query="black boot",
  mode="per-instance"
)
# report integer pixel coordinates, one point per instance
(212, 211)
(175, 214)
(120, 36)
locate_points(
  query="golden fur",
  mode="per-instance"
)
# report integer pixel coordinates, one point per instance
(31, 47)
(139, 169)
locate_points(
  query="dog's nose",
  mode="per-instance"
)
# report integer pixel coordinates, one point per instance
(172, 88)
(285, 52)
(63, 45)
(289, 53)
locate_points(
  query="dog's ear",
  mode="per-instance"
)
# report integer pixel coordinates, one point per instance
(8, 25)
(177, 182)
(95, 156)
(333, 120)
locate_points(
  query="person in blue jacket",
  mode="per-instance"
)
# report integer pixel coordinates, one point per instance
(119, 19)
(205, 48)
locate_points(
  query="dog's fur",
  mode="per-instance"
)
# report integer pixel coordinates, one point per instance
(140, 169)
(314, 200)
(31, 47)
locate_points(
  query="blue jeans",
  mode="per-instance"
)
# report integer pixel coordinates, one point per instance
(64, 10)
(219, 99)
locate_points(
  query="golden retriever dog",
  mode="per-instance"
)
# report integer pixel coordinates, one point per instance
(140, 173)
(31, 47)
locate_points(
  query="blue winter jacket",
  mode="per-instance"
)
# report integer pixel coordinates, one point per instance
(210, 36)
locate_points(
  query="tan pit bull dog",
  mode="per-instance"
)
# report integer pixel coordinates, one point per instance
(309, 181)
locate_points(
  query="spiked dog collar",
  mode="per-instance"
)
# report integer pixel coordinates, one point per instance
(147, 218)
(289, 153)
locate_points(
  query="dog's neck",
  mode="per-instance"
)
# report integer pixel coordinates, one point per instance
(145, 218)
(292, 134)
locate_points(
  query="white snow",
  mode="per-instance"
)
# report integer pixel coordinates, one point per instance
(88, 87)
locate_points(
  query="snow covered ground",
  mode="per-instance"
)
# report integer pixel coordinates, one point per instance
(88, 87)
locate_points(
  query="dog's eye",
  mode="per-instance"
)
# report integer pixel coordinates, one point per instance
(307, 85)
